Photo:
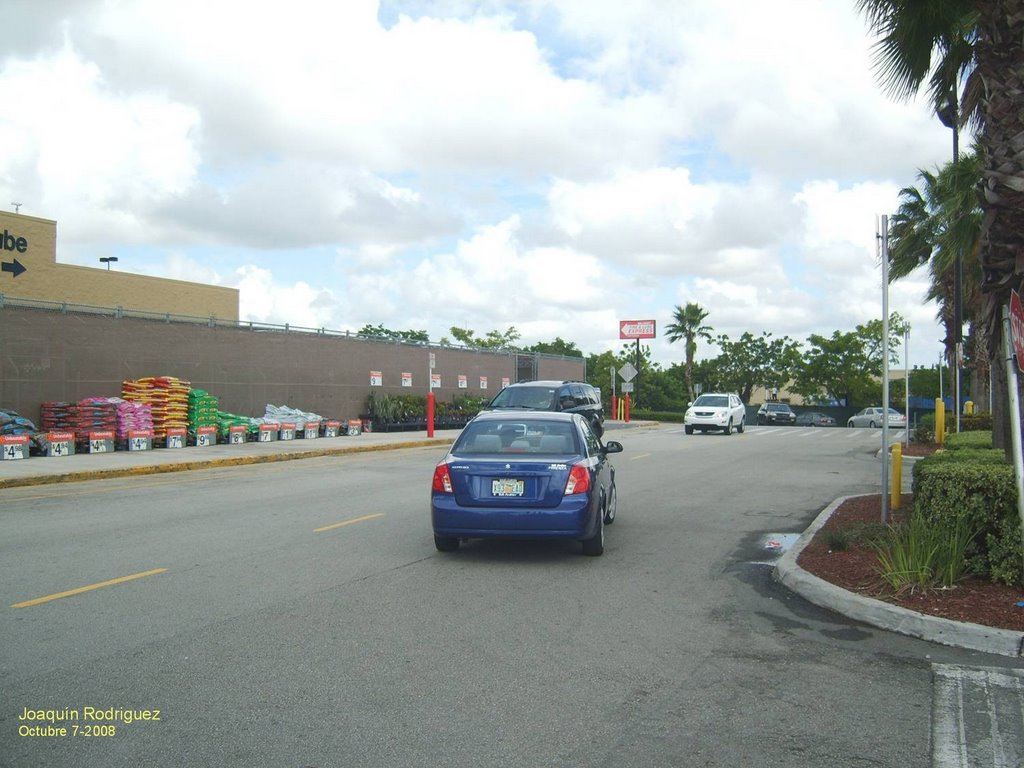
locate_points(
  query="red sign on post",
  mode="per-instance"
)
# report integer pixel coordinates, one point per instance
(636, 329)
(1017, 328)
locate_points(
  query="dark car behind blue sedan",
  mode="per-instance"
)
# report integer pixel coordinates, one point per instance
(525, 475)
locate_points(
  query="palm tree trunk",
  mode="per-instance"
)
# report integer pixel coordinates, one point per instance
(1000, 65)
(980, 370)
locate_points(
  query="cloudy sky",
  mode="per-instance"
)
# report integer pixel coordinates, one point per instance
(553, 165)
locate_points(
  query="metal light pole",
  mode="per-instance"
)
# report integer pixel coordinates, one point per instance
(949, 115)
(882, 239)
(906, 377)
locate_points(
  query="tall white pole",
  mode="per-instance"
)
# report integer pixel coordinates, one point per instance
(883, 237)
(1015, 438)
(906, 378)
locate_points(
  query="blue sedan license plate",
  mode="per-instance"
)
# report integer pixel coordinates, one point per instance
(504, 487)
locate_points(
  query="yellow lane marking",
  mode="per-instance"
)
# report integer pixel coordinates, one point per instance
(639, 456)
(56, 494)
(89, 588)
(348, 522)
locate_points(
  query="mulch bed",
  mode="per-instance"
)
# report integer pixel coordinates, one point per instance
(855, 569)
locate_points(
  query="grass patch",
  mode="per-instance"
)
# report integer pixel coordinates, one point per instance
(920, 555)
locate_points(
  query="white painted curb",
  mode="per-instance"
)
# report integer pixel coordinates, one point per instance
(877, 613)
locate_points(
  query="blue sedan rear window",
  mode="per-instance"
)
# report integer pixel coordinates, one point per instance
(516, 436)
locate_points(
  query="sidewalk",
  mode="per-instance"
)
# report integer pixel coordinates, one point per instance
(40, 470)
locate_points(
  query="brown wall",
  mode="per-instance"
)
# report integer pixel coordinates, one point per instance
(45, 279)
(50, 355)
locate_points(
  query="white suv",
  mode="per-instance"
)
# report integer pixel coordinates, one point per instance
(715, 411)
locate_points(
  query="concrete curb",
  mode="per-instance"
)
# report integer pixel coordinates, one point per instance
(233, 461)
(877, 613)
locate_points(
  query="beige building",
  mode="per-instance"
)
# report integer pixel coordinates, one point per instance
(28, 250)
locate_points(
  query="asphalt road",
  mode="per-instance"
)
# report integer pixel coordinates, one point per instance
(296, 614)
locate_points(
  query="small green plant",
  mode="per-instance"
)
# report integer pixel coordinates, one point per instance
(925, 431)
(918, 554)
(838, 540)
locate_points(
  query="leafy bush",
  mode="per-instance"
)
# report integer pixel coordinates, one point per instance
(969, 439)
(389, 410)
(925, 430)
(967, 456)
(671, 417)
(977, 487)
(978, 422)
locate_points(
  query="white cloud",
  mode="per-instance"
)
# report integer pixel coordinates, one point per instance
(556, 166)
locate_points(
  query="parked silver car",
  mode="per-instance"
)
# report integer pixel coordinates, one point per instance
(875, 417)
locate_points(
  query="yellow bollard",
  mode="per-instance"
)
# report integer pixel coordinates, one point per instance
(940, 421)
(969, 408)
(897, 474)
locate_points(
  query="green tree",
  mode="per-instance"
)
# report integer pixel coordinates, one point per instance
(924, 382)
(838, 366)
(756, 361)
(688, 325)
(938, 223)
(380, 332)
(643, 365)
(847, 367)
(557, 347)
(493, 340)
(980, 44)
(600, 369)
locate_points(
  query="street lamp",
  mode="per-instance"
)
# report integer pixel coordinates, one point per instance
(106, 260)
(949, 115)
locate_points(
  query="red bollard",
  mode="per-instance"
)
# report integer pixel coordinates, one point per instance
(430, 414)
(615, 404)
(627, 409)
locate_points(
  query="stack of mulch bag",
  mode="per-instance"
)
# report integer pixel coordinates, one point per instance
(13, 423)
(227, 420)
(277, 414)
(132, 417)
(94, 414)
(202, 410)
(167, 398)
(57, 416)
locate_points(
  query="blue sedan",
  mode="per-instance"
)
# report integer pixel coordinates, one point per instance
(525, 475)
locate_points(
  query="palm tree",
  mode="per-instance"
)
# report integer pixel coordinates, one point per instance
(936, 225)
(689, 326)
(983, 42)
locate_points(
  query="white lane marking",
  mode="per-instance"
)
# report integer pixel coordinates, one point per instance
(977, 717)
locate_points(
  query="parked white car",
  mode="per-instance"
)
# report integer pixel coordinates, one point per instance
(715, 411)
(875, 417)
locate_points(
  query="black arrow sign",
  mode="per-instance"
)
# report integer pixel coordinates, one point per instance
(16, 267)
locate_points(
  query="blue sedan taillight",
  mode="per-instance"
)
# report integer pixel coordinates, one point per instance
(579, 480)
(442, 478)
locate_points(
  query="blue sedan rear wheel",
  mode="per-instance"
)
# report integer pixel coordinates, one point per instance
(610, 506)
(446, 543)
(594, 546)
